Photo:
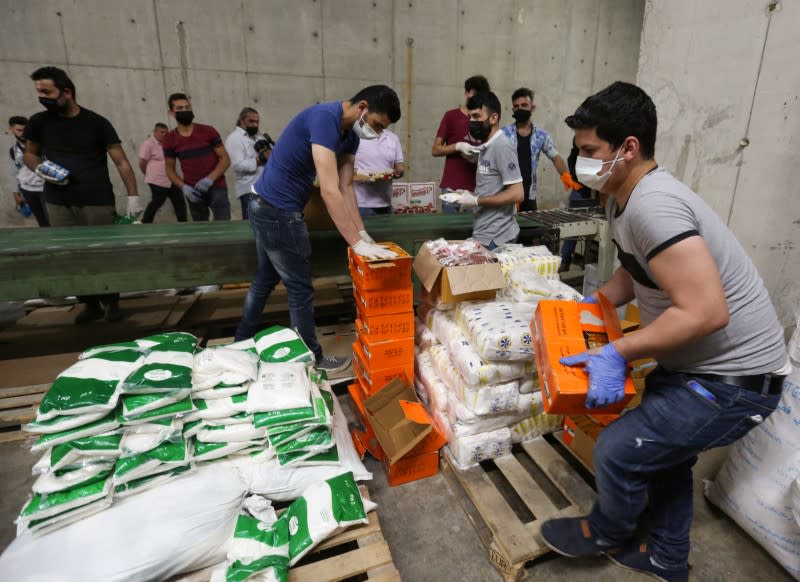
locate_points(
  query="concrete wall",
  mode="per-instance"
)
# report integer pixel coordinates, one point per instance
(279, 56)
(725, 81)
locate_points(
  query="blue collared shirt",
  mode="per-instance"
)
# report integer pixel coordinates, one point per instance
(540, 142)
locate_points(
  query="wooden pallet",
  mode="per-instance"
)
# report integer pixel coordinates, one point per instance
(358, 553)
(508, 499)
(17, 407)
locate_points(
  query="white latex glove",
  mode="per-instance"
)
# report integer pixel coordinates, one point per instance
(365, 237)
(134, 207)
(204, 185)
(468, 200)
(372, 251)
(467, 151)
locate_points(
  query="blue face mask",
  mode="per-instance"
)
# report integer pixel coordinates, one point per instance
(51, 104)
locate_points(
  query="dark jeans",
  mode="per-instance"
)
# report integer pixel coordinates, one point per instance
(527, 205)
(647, 456)
(364, 211)
(244, 200)
(37, 204)
(284, 254)
(61, 215)
(216, 200)
(159, 196)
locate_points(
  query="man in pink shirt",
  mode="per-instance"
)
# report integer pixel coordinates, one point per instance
(377, 155)
(151, 163)
(454, 141)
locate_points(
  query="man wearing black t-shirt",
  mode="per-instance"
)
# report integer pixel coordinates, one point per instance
(78, 140)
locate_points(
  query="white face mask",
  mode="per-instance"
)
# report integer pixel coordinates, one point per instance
(587, 170)
(363, 129)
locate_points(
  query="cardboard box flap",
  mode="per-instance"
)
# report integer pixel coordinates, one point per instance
(398, 427)
(427, 267)
(470, 278)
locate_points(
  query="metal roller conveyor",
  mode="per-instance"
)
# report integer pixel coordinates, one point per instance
(569, 222)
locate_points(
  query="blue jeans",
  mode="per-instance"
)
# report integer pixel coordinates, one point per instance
(216, 199)
(244, 200)
(284, 253)
(364, 211)
(648, 454)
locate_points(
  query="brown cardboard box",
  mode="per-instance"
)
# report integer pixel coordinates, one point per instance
(454, 284)
(580, 435)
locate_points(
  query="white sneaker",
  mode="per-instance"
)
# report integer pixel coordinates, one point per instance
(332, 364)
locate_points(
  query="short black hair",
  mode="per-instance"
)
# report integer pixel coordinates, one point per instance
(177, 97)
(17, 120)
(485, 99)
(477, 83)
(522, 92)
(244, 113)
(618, 111)
(161, 125)
(380, 99)
(58, 76)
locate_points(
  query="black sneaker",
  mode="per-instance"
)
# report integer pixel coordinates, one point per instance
(332, 364)
(638, 558)
(92, 312)
(571, 537)
(112, 312)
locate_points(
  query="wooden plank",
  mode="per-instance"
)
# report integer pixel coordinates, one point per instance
(19, 401)
(16, 416)
(24, 390)
(526, 487)
(385, 574)
(560, 473)
(508, 530)
(344, 565)
(13, 436)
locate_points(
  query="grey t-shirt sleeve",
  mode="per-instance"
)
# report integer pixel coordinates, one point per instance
(507, 163)
(659, 220)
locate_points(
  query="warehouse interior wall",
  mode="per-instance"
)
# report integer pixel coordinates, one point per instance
(726, 85)
(279, 56)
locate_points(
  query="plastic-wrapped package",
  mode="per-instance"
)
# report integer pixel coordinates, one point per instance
(499, 330)
(535, 426)
(468, 252)
(465, 422)
(222, 365)
(443, 326)
(280, 386)
(563, 292)
(423, 337)
(513, 255)
(493, 399)
(470, 450)
(435, 389)
(444, 368)
(479, 372)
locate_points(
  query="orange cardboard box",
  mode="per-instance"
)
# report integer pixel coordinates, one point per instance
(565, 328)
(411, 468)
(383, 327)
(369, 274)
(385, 301)
(373, 380)
(385, 353)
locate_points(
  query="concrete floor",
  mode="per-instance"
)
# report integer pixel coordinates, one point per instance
(432, 539)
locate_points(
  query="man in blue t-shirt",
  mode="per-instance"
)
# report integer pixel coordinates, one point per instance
(320, 141)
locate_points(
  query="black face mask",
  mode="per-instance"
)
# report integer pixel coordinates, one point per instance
(251, 131)
(184, 117)
(480, 129)
(522, 115)
(52, 104)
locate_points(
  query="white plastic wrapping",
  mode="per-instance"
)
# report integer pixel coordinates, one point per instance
(499, 330)
(222, 365)
(470, 450)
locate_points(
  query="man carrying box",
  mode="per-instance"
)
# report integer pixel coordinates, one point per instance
(498, 185)
(320, 140)
(708, 321)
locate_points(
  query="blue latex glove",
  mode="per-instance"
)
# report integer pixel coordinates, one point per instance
(192, 194)
(606, 375)
(204, 185)
(590, 299)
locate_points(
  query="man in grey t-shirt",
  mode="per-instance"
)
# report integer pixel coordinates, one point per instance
(498, 184)
(708, 322)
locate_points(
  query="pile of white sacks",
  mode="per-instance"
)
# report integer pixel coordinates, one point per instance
(475, 361)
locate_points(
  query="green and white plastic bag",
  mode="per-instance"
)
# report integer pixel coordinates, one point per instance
(102, 426)
(144, 437)
(221, 365)
(49, 524)
(316, 441)
(176, 409)
(239, 418)
(165, 368)
(279, 387)
(134, 405)
(259, 551)
(210, 451)
(231, 433)
(102, 448)
(221, 391)
(324, 509)
(281, 344)
(46, 506)
(165, 457)
(145, 483)
(218, 408)
(89, 386)
(309, 458)
(62, 479)
(62, 423)
(93, 351)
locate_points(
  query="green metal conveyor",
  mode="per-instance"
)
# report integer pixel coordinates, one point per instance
(54, 262)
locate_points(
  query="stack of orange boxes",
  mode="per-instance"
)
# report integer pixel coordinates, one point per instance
(384, 297)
